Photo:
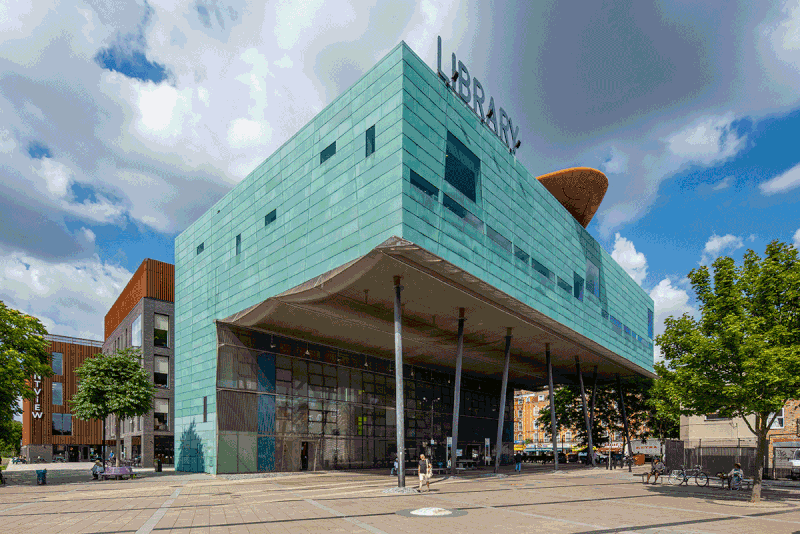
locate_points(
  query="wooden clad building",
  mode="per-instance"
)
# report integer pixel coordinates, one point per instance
(48, 427)
(153, 279)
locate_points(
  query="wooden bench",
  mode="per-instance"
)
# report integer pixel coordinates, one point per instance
(660, 479)
(117, 472)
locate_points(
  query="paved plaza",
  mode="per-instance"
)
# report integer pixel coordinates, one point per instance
(574, 500)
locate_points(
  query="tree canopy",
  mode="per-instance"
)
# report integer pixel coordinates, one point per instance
(10, 442)
(742, 357)
(23, 354)
(113, 384)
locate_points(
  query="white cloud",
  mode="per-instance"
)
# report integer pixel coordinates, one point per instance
(797, 239)
(670, 299)
(616, 163)
(716, 246)
(723, 184)
(707, 140)
(634, 263)
(783, 182)
(70, 298)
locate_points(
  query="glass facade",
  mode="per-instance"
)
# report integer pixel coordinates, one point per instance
(273, 400)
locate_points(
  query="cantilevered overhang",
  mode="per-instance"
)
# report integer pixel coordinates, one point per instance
(352, 307)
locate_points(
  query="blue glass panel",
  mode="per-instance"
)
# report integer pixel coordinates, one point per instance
(266, 454)
(266, 414)
(266, 372)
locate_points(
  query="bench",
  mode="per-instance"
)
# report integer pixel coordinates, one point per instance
(660, 480)
(723, 483)
(117, 472)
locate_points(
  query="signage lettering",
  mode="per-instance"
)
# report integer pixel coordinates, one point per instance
(497, 121)
(37, 407)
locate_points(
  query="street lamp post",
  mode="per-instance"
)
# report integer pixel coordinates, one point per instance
(433, 402)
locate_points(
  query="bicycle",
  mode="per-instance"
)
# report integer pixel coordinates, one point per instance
(680, 476)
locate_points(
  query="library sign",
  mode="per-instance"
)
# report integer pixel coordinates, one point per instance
(473, 95)
(37, 389)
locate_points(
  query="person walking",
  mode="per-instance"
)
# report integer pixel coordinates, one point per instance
(425, 469)
(518, 462)
(394, 468)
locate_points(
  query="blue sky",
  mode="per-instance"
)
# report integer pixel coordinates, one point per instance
(122, 122)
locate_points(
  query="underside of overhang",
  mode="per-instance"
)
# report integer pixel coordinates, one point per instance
(352, 307)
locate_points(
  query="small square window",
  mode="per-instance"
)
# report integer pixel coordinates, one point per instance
(326, 154)
(200, 248)
(270, 217)
(370, 140)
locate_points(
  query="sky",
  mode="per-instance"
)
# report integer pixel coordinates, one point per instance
(121, 122)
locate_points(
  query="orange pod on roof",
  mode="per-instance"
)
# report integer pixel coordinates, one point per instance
(579, 189)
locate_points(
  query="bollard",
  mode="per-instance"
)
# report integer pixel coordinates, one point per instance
(158, 465)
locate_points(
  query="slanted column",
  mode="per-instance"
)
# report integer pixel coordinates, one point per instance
(624, 420)
(553, 426)
(398, 376)
(457, 393)
(502, 409)
(590, 452)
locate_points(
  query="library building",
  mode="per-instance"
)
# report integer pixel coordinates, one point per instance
(380, 285)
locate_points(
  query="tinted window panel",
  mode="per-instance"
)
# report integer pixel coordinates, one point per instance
(461, 168)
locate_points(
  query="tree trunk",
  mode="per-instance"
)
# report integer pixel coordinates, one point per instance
(761, 446)
(103, 447)
(119, 435)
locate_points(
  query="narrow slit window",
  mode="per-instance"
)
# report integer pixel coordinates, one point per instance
(564, 285)
(424, 185)
(546, 276)
(238, 244)
(454, 206)
(521, 254)
(370, 140)
(200, 248)
(577, 286)
(498, 238)
(326, 154)
(270, 217)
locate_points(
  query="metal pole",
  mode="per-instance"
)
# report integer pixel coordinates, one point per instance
(457, 393)
(590, 451)
(502, 409)
(553, 428)
(624, 420)
(398, 374)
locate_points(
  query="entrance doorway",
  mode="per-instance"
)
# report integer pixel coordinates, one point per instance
(85, 455)
(74, 453)
(304, 456)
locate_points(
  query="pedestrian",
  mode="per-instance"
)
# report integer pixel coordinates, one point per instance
(656, 469)
(518, 462)
(735, 476)
(425, 469)
(394, 468)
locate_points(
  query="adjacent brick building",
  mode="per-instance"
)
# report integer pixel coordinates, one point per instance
(48, 427)
(143, 316)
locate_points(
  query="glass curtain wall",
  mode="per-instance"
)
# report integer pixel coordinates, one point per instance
(284, 405)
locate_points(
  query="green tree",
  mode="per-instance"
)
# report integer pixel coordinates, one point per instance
(646, 405)
(742, 358)
(10, 442)
(113, 384)
(23, 354)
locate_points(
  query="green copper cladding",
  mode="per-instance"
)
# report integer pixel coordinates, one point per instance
(330, 210)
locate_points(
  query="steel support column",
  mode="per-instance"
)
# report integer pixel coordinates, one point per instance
(398, 374)
(624, 421)
(457, 393)
(590, 450)
(502, 408)
(553, 426)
